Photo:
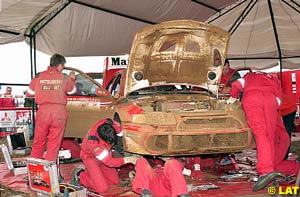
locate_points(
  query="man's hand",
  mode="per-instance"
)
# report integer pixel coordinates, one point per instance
(131, 159)
(230, 100)
(72, 75)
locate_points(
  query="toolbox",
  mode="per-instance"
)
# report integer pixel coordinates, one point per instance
(43, 176)
(17, 167)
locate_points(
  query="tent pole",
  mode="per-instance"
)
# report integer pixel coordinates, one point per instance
(9, 32)
(33, 71)
(206, 5)
(44, 21)
(243, 15)
(294, 5)
(262, 58)
(276, 36)
(31, 59)
(222, 12)
(112, 12)
(34, 52)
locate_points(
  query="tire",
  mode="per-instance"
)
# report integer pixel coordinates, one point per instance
(119, 147)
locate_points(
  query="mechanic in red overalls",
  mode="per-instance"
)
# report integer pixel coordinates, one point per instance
(49, 89)
(98, 159)
(226, 73)
(160, 181)
(260, 102)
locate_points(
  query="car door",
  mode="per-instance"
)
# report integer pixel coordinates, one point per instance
(87, 107)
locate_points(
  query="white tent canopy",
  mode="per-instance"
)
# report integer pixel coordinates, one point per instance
(254, 41)
(107, 27)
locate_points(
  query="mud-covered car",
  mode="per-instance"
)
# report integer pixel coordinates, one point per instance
(167, 99)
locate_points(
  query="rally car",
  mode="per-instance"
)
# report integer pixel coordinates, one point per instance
(167, 99)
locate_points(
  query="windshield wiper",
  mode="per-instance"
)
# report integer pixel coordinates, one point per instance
(143, 92)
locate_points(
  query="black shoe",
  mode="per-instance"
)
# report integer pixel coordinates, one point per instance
(146, 193)
(263, 180)
(76, 176)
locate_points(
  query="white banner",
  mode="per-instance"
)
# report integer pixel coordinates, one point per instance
(114, 62)
(14, 118)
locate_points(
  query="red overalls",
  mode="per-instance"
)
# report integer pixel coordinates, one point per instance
(100, 164)
(260, 104)
(166, 181)
(49, 88)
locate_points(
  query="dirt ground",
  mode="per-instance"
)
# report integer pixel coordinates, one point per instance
(6, 192)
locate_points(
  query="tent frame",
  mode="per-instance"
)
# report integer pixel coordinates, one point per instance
(45, 20)
(291, 3)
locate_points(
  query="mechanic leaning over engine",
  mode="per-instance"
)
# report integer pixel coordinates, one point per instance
(49, 89)
(260, 102)
(98, 158)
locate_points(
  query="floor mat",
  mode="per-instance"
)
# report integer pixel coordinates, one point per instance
(201, 186)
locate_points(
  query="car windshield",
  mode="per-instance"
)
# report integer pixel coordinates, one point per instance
(84, 85)
(169, 89)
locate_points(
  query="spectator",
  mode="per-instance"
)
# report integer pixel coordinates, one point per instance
(49, 89)
(7, 100)
(228, 75)
(79, 89)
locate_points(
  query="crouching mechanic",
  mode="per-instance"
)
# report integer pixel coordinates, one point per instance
(97, 157)
(160, 181)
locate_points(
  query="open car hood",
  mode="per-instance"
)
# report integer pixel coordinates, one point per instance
(182, 51)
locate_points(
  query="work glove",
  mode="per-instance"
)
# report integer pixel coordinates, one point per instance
(230, 100)
(131, 159)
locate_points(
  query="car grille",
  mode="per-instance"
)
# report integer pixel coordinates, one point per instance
(209, 122)
(203, 144)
